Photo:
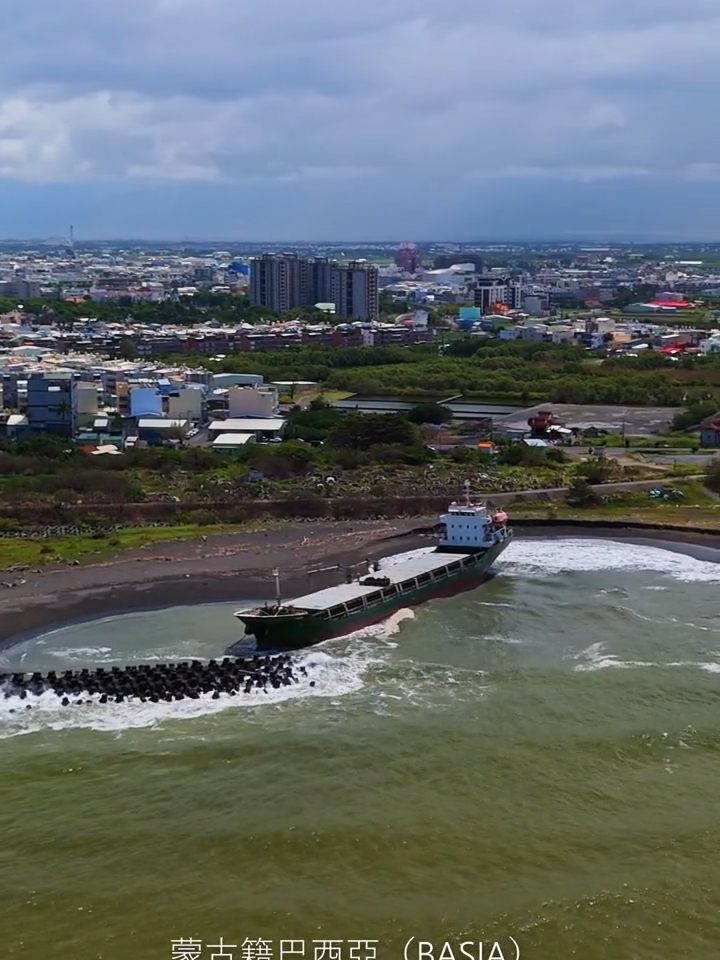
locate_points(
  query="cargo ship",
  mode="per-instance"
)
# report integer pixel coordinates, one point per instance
(474, 537)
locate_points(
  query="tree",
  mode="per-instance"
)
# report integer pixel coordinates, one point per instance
(434, 413)
(581, 494)
(712, 478)
(127, 349)
(63, 408)
(363, 430)
(597, 469)
(694, 414)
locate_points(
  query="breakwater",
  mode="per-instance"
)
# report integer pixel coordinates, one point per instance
(153, 683)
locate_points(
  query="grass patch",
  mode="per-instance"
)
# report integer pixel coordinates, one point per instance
(697, 508)
(669, 441)
(330, 396)
(42, 551)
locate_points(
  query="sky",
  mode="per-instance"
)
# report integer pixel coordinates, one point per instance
(386, 119)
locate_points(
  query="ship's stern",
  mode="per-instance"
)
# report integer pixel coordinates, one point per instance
(277, 630)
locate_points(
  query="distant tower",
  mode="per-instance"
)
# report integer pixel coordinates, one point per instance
(408, 258)
(71, 241)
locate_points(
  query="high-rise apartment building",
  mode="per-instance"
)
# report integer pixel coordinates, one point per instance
(321, 272)
(355, 290)
(408, 258)
(289, 282)
(275, 282)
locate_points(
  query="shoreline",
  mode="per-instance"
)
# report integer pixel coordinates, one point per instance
(233, 567)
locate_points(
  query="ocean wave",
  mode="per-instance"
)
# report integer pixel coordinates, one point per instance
(332, 677)
(595, 657)
(335, 672)
(540, 558)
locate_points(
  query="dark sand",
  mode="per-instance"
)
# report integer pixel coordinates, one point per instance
(239, 567)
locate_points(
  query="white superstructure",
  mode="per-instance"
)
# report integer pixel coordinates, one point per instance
(472, 525)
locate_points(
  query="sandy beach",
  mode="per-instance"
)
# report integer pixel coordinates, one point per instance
(238, 566)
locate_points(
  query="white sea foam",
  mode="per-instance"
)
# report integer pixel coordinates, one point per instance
(546, 557)
(543, 558)
(335, 674)
(333, 677)
(344, 667)
(81, 653)
(596, 657)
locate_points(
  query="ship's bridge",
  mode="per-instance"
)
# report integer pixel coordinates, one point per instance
(469, 525)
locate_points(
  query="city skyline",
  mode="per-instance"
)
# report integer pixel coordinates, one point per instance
(173, 119)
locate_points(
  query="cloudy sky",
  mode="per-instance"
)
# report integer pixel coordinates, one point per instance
(397, 119)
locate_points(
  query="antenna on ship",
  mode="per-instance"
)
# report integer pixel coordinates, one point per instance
(276, 574)
(468, 499)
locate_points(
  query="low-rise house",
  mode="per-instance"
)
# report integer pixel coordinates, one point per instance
(268, 428)
(710, 431)
(232, 442)
(159, 430)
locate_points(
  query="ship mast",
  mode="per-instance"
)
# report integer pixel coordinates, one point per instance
(468, 500)
(276, 574)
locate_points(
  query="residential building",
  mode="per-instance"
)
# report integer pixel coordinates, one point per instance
(408, 258)
(86, 403)
(261, 428)
(231, 442)
(156, 430)
(710, 431)
(711, 344)
(355, 290)
(51, 403)
(225, 380)
(275, 281)
(253, 402)
(289, 282)
(321, 274)
(185, 403)
(490, 289)
(144, 401)
(533, 306)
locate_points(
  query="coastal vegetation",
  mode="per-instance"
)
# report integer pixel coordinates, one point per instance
(230, 308)
(503, 371)
(337, 465)
(41, 551)
(226, 309)
(696, 509)
(328, 454)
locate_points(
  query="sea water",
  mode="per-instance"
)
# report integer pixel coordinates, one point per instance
(538, 759)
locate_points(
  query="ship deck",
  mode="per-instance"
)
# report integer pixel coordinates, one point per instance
(395, 572)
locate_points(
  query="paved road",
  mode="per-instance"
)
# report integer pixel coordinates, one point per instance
(201, 439)
(636, 421)
(701, 459)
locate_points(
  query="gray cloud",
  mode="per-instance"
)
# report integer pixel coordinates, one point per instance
(406, 95)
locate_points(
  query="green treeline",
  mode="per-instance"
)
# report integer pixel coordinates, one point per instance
(514, 371)
(203, 307)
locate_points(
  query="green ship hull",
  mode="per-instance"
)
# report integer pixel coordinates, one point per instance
(304, 628)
